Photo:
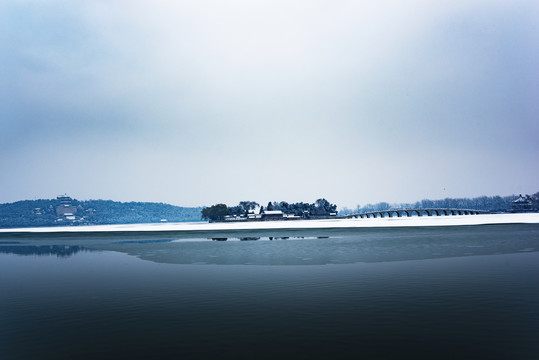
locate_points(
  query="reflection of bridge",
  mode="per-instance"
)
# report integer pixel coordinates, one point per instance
(414, 212)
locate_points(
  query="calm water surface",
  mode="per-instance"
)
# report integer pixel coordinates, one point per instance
(432, 293)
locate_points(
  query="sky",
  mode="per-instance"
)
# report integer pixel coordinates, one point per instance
(199, 102)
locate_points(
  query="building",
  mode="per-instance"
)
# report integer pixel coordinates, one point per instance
(66, 208)
(252, 216)
(235, 218)
(64, 199)
(273, 215)
(521, 204)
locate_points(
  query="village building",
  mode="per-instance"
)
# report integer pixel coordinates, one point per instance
(235, 218)
(272, 215)
(266, 215)
(278, 215)
(252, 216)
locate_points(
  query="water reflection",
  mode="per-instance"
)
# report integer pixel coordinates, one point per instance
(335, 247)
(254, 238)
(62, 251)
(312, 247)
(151, 241)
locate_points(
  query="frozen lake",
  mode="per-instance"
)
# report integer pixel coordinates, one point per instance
(415, 292)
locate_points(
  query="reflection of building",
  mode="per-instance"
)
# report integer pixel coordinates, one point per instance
(521, 204)
(65, 210)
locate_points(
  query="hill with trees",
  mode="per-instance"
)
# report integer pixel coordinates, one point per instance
(45, 212)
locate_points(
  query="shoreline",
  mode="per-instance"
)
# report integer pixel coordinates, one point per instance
(423, 221)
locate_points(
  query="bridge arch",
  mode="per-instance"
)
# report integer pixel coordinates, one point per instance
(414, 212)
(418, 212)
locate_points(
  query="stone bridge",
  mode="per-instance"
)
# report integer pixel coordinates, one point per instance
(414, 212)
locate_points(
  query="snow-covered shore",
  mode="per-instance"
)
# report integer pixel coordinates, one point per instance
(525, 218)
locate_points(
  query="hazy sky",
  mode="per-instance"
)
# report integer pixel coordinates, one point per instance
(198, 102)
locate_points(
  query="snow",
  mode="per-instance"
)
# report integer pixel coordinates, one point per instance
(457, 220)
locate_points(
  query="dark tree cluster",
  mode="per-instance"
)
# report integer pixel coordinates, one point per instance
(219, 211)
(215, 212)
(534, 200)
(242, 208)
(320, 207)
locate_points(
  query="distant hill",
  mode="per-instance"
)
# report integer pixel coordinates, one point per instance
(66, 211)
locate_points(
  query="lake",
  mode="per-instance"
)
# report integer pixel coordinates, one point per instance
(426, 292)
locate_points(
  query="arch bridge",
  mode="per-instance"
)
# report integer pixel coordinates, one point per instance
(414, 212)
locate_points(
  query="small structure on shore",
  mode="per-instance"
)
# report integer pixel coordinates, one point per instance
(273, 215)
(521, 204)
(252, 216)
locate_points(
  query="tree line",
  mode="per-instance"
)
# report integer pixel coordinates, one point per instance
(487, 203)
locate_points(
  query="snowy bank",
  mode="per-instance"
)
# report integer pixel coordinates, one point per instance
(525, 218)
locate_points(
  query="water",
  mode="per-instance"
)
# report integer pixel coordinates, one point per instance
(444, 293)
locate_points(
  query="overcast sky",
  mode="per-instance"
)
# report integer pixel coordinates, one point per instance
(199, 102)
